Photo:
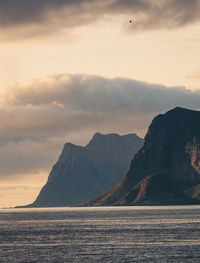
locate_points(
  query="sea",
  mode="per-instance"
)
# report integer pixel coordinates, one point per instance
(100, 234)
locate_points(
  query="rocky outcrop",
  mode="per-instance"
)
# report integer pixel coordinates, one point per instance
(167, 168)
(82, 173)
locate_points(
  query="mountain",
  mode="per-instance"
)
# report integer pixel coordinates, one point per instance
(82, 173)
(166, 170)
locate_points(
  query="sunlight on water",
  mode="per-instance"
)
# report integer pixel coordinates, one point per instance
(100, 234)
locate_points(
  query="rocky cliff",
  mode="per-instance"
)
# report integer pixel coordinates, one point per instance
(82, 173)
(167, 168)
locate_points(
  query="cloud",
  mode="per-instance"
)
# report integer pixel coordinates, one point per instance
(26, 155)
(38, 116)
(28, 19)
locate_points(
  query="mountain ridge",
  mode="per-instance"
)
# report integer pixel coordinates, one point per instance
(83, 172)
(171, 148)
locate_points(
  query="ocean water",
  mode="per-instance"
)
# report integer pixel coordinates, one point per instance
(104, 234)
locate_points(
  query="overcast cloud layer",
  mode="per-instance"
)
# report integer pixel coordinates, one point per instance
(30, 18)
(38, 116)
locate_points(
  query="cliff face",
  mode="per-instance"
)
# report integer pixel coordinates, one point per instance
(167, 168)
(82, 173)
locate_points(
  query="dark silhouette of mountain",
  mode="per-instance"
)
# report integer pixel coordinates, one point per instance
(82, 173)
(166, 170)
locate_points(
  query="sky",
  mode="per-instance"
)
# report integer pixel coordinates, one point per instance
(71, 68)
